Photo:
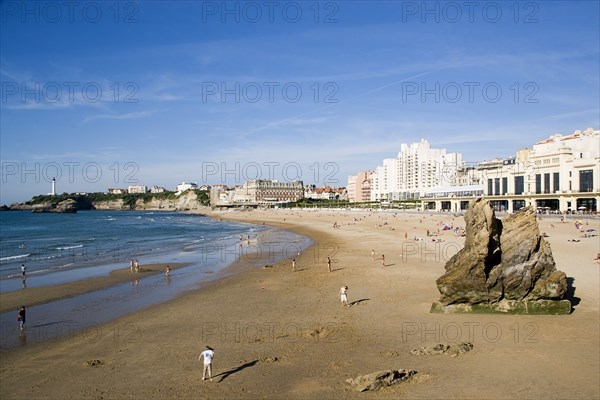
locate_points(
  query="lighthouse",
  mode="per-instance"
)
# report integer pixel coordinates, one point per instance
(53, 191)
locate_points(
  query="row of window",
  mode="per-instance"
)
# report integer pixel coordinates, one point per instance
(544, 183)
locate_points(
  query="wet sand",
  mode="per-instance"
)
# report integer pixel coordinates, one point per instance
(39, 295)
(283, 334)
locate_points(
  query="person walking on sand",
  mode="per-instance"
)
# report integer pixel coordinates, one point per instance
(23, 271)
(383, 260)
(168, 271)
(21, 318)
(329, 264)
(373, 255)
(208, 356)
(344, 296)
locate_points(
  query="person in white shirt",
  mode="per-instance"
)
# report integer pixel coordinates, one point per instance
(208, 355)
(344, 296)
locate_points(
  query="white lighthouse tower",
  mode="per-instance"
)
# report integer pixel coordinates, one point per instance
(53, 192)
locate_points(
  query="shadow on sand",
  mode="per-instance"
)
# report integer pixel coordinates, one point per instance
(570, 295)
(232, 371)
(356, 302)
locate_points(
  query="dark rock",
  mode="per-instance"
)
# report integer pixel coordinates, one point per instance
(452, 350)
(501, 260)
(93, 363)
(67, 206)
(380, 379)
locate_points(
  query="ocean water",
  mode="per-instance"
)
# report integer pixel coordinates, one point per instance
(58, 248)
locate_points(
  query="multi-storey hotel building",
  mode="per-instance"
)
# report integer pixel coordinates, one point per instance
(417, 169)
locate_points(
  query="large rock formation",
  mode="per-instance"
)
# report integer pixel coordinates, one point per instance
(502, 261)
(65, 206)
(185, 202)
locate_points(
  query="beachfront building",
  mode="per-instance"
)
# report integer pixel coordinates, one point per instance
(135, 189)
(359, 187)
(265, 190)
(116, 191)
(417, 169)
(560, 173)
(256, 192)
(557, 174)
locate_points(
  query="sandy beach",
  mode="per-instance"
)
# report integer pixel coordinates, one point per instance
(283, 334)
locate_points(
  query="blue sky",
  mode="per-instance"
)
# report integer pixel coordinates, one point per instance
(107, 94)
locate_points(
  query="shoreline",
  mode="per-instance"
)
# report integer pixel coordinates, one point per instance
(251, 255)
(12, 300)
(283, 334)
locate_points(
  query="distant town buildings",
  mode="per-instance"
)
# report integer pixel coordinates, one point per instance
(325, 193)
(557, 174)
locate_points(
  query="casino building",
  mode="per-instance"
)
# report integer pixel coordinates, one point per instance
(557, 174)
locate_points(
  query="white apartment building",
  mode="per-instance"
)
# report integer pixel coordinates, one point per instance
(183, 186)
(417, 169)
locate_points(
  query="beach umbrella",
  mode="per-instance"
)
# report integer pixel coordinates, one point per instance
(590, 230)
(582, 208)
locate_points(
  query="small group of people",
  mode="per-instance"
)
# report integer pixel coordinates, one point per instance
(382, 258)
(242, 240)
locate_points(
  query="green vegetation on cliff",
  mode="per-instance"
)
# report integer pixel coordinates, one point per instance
(87, 201)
